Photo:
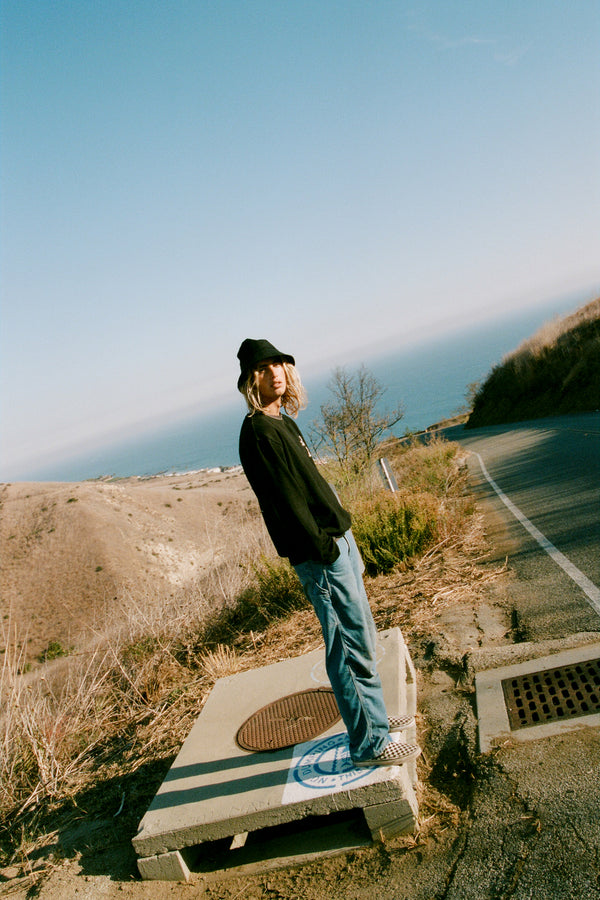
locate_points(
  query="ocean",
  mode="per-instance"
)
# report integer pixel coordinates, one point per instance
(430, 381)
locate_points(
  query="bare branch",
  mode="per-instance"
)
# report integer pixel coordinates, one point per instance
(351, 426)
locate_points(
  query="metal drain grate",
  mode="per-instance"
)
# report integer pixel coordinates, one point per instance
(289, 720)
(561, 693)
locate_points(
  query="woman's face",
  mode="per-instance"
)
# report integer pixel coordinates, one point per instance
(271, 381)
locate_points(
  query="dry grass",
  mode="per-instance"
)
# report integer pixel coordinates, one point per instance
(550, 334)
(119, 709)
(450, 571)
(555, 372)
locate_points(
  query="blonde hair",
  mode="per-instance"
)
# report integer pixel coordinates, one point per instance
(293, 400)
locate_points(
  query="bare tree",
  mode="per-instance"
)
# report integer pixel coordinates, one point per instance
(351, 428)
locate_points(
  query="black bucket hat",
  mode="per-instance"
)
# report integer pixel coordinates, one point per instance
(251, 352)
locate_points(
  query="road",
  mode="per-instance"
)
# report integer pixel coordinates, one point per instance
(541, 481)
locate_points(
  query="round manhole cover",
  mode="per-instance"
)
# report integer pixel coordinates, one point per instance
(289, 720)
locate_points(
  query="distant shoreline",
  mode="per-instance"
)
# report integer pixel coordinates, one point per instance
(208, 470)
(235, 469)
(429, 380)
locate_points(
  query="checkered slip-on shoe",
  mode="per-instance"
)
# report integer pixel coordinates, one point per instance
(396, 753)
(398, 723)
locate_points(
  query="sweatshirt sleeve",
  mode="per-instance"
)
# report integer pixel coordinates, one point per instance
(283, 499)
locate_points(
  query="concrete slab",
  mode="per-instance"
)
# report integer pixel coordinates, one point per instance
(494, 725)
(215, 790)
(164, 867)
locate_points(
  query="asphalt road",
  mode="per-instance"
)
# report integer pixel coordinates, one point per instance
(541, 479)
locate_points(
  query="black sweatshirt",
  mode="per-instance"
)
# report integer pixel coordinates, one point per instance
(301, 511)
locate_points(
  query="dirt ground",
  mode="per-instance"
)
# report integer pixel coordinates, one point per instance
(490, 827)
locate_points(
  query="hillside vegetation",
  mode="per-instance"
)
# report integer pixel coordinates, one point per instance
(556, 371)
(75, 554)
(188, 589)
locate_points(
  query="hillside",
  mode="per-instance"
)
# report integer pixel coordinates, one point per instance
(72, 552)
(557, 371)
(87, 740)
(152, 590)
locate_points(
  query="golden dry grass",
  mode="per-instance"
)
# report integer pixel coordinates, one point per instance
(115, 711)
(555, 372)
(549, 335)
(77, 556)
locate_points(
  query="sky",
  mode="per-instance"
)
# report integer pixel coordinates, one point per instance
(328, 174)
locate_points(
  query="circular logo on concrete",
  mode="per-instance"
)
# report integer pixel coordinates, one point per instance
(326, 764)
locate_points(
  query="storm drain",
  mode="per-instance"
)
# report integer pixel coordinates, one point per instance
(289, 720)
(561, 693)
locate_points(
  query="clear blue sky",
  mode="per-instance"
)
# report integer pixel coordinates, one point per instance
(329, 174)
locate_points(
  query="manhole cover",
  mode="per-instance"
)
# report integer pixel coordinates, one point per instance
(561, 693)
(289, 720)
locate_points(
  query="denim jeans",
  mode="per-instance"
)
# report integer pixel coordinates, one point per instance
(338, 596)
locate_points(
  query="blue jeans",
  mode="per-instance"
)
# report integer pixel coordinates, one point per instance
(338, 596)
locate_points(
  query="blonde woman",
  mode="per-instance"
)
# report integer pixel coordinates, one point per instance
(308, 525)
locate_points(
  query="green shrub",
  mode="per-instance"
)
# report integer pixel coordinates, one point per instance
(138, 652)
(555, 372)
(54, 650)
(394, 528)
(426, 465)
(279, 590)
(275, 593)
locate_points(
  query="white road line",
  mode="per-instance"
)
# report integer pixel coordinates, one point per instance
(587, 586)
